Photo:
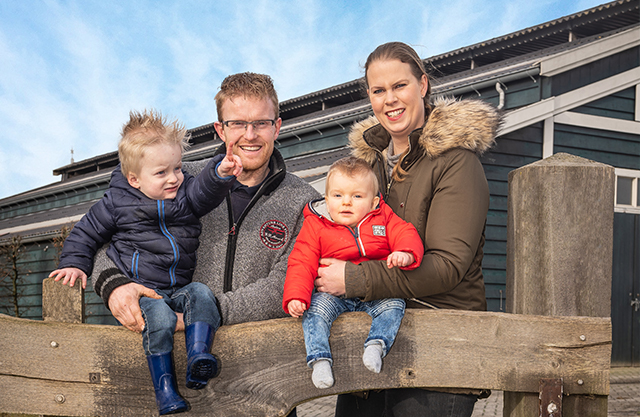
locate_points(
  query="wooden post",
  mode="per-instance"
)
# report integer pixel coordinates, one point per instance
(559, 254)
(61, 302)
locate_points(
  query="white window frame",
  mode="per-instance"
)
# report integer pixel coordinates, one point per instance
(635, 203)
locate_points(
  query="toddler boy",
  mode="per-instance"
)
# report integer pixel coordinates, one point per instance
(150, 214)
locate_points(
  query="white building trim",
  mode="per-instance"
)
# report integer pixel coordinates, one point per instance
(635, 206)
(637, 116)
(547, 138)
(35, 226)
(598, 122)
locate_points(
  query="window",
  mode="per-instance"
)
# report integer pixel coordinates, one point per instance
(627, 191)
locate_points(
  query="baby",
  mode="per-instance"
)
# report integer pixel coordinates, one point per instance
(351, 223)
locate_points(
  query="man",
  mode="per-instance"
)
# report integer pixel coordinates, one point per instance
(246, 240)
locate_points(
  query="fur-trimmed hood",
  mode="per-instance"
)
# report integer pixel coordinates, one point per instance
(467, 124)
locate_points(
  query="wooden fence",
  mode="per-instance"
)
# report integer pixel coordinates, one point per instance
(69, 369)
(551, 359)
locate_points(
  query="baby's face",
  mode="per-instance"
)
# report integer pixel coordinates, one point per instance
(160, 172)
(349, 199)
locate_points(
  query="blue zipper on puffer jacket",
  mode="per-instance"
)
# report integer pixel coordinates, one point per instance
(172, 240)
(134, 265)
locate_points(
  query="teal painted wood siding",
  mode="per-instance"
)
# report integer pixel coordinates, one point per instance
(619, 149)
(620, 105)
(34, 260)
(594, 71)
(81, 195)
(314, 141)
(36, 264)
(512, 151)
(517, 93)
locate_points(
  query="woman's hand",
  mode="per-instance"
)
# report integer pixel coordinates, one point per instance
(331, 277)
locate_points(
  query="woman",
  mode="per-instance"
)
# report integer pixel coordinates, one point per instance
(426, 160)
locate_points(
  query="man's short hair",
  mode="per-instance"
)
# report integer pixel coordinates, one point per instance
(352, 166)
(143, 130)
(248, 85)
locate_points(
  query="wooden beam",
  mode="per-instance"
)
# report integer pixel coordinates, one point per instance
(91, 370)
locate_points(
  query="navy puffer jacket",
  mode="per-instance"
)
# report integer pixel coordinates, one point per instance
(153, 242)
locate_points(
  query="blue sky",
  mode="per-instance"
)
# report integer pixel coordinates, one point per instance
(70, 71)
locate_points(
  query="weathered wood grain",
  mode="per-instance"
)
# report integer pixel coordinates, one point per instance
(61, 302)
(559, 252)
(101, 370)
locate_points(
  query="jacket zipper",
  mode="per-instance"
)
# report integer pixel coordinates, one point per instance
(134, 265)
(234, 228)
(355, 232)
(382, 168)
(172, 241)
(231, 248)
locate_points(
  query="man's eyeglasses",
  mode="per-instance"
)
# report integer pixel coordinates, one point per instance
(241, 125)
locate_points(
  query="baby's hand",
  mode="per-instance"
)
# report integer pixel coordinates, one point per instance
(399, 259)
(296, 308)
(70, 275)
(230, 165)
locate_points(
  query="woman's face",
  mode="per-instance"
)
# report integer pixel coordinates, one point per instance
(396, 97)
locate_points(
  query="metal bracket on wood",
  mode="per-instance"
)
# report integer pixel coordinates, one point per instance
(551, 397)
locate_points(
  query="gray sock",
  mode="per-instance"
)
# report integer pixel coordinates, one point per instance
(322, 376)
(372, 357)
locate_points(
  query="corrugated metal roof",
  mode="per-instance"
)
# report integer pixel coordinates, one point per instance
(570, 29)
(599, 19)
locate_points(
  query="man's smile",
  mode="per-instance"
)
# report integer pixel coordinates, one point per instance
(250, 148)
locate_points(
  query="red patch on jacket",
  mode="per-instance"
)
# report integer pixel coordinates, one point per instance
(274, 234)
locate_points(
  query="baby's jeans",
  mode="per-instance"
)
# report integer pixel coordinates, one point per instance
(386, 316)
(194, 300)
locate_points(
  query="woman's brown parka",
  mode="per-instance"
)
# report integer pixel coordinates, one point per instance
(445, 195)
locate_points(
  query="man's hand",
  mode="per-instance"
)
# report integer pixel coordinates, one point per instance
(331, 277)
(296, 308)
(70, 276)
(125, 305)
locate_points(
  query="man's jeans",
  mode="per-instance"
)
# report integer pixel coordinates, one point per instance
(386, 316)
(195, 300)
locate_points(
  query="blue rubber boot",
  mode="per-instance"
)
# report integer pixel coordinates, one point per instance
(163, 376)
(201, 365)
